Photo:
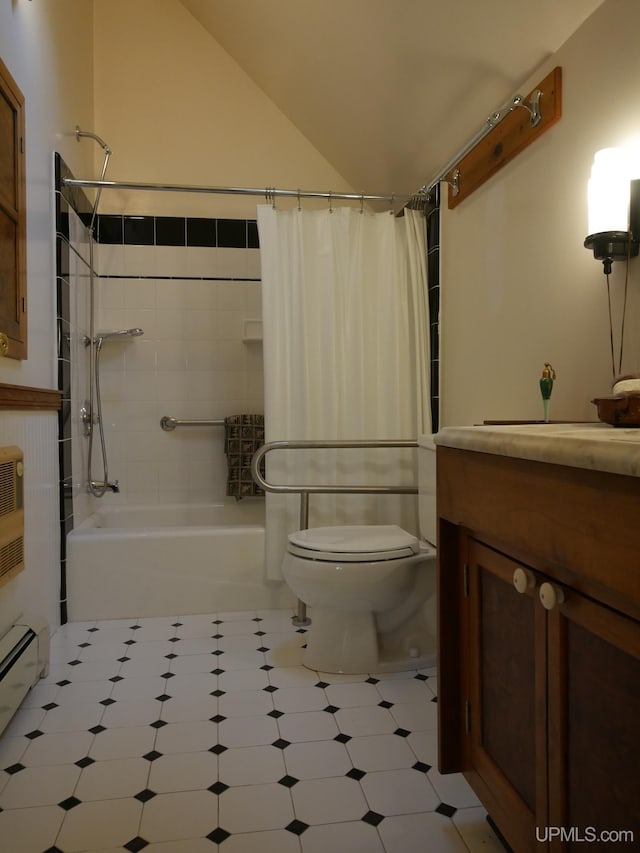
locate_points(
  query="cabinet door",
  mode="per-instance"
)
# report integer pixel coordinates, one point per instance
(594, 732)
(507, 713)
(13, 252)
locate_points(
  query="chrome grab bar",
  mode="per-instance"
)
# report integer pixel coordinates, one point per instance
(168, 424)
(304, 491)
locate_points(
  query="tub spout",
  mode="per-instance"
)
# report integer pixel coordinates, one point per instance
(97, 484)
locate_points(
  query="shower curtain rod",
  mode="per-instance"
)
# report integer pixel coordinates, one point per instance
(269, 193)
(492, 122)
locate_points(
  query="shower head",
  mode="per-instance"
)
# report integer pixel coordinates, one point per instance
(120, 333)
(89, 135)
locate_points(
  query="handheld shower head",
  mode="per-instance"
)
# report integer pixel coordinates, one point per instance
(120, 333)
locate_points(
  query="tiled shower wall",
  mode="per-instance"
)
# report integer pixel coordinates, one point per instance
(196, 359)
(193, 286)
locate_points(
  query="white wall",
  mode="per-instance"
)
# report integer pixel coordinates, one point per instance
(47, 48)
(518, 288)
(175, 108)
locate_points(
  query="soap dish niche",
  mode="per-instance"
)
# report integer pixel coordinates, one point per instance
(251, 330)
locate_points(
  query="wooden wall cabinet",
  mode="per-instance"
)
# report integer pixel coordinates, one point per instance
(539, 702)
(13, 223)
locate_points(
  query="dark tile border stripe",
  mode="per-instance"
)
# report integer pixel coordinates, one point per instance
(177, 231)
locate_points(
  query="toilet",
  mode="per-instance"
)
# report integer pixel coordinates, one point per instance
(371, 588)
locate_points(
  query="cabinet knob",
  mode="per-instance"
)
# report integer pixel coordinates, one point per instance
(523, 580)
(4, 344)
(550, 595)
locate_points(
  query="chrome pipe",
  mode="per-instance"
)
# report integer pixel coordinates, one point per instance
(491, 122)
(267, 192)
(89, 135)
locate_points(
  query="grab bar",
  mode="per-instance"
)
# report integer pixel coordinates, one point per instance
(305, 490)
(168, 424)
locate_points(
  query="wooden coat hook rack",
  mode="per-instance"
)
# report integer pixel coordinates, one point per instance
(541, 108)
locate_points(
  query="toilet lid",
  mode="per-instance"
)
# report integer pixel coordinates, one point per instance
(354, 543)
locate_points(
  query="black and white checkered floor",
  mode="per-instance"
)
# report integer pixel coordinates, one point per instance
(203, 733)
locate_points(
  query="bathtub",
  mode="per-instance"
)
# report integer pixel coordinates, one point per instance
(170, 560)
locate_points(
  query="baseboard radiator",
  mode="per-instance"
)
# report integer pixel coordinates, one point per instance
(24, 658)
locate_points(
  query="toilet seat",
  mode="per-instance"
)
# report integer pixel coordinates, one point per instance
(353, 543)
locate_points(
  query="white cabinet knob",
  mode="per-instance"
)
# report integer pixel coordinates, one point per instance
(550, 595)
(523, 580)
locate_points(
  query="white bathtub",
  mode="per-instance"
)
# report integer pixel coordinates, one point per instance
(170, 560)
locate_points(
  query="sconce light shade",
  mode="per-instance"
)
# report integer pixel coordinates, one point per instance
(611, 214)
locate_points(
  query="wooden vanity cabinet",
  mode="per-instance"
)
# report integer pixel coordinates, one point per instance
(539, 704)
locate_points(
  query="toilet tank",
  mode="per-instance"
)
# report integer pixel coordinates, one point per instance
(427, 488)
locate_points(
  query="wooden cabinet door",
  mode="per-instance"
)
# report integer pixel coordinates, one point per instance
(13, 229)
(594, 732)
(507, 685)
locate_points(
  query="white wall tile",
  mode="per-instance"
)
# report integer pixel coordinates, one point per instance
(201, 262)
(172, 355)
(229, 325)
(139, 293)
(170, 260)
(232, 295)
(200, 325)
(109, 259)
(139, 354)
(253, 263)
(139, 260)
(190, 364)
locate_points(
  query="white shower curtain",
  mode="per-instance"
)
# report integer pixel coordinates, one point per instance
(346, 356)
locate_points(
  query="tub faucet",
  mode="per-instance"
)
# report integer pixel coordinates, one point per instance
(114, 487)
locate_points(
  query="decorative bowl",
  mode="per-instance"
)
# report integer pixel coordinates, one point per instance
(621, 410)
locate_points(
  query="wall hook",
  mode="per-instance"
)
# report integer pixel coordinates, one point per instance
(454, 182)
(533, 107)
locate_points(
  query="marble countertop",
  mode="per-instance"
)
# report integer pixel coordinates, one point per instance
(599, 447)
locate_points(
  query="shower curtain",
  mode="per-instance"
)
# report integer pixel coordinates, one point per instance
(346, 356)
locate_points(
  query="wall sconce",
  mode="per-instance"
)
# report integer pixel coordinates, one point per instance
(614, 208)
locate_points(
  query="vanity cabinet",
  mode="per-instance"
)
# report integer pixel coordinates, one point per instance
(539, 646)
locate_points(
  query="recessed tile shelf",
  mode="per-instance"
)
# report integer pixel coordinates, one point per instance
(251, 331)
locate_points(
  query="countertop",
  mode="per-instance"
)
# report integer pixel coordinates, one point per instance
(597, 446)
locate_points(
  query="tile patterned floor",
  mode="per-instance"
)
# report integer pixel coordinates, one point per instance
(204, 733)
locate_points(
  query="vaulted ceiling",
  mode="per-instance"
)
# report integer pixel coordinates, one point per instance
(390, 90)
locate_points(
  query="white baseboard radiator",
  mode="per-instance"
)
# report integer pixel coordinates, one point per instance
(24, 658)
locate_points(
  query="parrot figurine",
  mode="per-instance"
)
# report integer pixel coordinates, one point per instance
(546, 387)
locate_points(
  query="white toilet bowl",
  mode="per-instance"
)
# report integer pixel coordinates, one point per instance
(372, 593)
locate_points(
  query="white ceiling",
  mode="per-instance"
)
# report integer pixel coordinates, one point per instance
(390, 90)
